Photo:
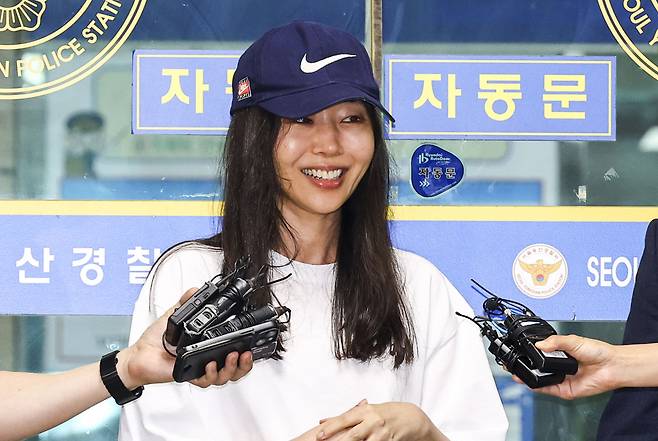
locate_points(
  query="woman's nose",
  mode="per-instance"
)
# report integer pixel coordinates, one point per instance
(326, 139)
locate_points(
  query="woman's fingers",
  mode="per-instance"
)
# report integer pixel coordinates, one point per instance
(347, 420)
(360, 403)
(368, 429)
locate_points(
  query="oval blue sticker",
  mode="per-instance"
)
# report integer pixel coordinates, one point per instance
(434, 170)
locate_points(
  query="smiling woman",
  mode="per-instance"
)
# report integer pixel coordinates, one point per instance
(306, 195)
(321, 158)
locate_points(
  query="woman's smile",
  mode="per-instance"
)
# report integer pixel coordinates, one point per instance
(325, 177)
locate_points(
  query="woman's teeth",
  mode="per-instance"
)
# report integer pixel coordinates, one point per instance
(322, 174)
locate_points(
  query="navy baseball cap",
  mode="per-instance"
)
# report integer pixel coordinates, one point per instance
(301, 68)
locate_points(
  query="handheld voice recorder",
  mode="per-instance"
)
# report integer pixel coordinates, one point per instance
(512, 330)
(217, 320)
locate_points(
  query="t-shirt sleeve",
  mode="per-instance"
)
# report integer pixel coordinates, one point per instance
(459, 393)
(158, 413)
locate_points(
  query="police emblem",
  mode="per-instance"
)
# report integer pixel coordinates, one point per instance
(540, 271)
(44, 49)
(24, 15)
(634, 24)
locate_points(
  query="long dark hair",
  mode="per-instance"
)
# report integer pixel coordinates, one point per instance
(370, 317)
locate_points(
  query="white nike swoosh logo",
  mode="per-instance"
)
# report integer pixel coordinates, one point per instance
(308, 67)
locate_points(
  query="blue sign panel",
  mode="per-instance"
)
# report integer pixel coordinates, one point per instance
(182, 92)
(561, 270)
(84, 264)
(485, 97)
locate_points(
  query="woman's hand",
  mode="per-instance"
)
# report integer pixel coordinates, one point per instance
(147, 362)
(374, 422)
(596, 366)
(312, 435)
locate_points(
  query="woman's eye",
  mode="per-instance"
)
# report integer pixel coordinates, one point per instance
(302, 120)
(353, 119)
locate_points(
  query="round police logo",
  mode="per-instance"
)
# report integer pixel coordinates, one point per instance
(634, 24)
(47, 45)
(540, 271)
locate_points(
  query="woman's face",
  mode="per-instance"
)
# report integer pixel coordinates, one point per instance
(321, 158)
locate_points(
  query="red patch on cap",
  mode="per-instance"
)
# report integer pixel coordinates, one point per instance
(244, 89)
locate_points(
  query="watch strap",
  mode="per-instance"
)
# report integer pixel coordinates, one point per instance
(114, 385)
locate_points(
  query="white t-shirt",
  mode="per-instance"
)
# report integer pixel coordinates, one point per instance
(450, 378)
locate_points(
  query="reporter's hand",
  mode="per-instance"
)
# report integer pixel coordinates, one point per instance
(387, 421)
(596, 366)
(146, 361)
(235, 367)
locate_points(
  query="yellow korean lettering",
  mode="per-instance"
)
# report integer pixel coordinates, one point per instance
(175, 87)
(453, 93)
(563, 89)
(229, 80)
(500, 87)
(427, 93)
(201, 88)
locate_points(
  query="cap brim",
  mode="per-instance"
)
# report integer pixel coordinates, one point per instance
(310, 101)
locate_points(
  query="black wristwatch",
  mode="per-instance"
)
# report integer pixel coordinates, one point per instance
(113, 383)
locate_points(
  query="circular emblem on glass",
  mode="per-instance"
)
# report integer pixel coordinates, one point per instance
(540, 271)
(634, 24)
(47, 45)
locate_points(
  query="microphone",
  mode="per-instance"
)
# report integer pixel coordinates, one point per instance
(512, 330)
(183, 313)
(229, 302)
(190, 309)
(517, 362)
(246, 320)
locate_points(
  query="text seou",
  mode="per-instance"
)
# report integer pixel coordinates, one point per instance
(606, 271)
